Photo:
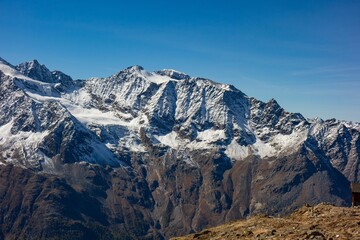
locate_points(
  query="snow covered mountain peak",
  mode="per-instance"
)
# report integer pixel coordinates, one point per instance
(35, 70)
(173, 74)
(40, 72)
(35, 64)
(137, 74)
(134, 68)
(139, 111)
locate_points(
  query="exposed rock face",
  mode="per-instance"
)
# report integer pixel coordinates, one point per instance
(86, 202)
(40, 72)
(340, 141)
(159, 154)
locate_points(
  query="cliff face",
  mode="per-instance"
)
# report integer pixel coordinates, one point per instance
(158, 154)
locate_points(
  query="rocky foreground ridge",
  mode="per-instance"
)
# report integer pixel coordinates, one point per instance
(153, 155)
(309, 222)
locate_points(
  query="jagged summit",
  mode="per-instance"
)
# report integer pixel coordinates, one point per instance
(273, 102)
(134, 68)
(173, 74)
(35, 63)
(35, 70)
(40, 72)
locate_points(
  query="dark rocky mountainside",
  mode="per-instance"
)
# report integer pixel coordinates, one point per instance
(151, 155)
(87, 202)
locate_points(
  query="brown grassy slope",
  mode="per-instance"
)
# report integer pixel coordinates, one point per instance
(318, 222)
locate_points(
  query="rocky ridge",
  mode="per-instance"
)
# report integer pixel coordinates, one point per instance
(309, 222)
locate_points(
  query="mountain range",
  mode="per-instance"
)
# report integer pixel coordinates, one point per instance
(153, 155)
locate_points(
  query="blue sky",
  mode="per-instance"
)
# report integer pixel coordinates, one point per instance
(304, 53)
